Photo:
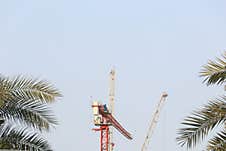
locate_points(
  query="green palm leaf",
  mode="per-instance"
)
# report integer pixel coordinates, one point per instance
(218, 143)
(215, 71)
(201, 122)
(32, 113)
(23, 138)
(24, 88)
(24, 112)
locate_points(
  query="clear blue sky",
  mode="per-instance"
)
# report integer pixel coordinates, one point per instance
(154, 46)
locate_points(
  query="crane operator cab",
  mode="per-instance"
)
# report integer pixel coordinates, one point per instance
(106, 109)
(98, 118)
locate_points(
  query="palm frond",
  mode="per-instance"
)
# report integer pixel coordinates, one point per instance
(218, 143)
(25, 88)
(198, 125)
(215, 71)
(22, 138)
(32, 113)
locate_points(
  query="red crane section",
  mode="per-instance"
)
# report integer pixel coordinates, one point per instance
(105, 113)
(103, 118)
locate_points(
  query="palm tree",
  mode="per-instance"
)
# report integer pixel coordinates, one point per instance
(198, 125)
(24, 113)
(215, 71)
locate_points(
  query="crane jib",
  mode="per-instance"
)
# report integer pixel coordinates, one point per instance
(114, 122)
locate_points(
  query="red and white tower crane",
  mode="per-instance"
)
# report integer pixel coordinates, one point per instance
(104, 120)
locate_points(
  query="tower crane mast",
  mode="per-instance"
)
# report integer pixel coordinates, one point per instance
(154, 121)
(111, 105)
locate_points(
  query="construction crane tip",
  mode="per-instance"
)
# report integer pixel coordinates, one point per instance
(164, 94)
(112, 71)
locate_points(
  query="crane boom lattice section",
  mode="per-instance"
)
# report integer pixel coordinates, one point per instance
(111, 105)
(154, 121)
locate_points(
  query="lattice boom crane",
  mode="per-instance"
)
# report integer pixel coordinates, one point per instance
(104, 119)
(154, 121)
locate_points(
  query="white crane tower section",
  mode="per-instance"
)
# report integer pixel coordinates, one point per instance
(111, 104)
(111, 91)
(154, 121)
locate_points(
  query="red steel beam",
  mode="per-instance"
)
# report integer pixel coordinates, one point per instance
(114, 122)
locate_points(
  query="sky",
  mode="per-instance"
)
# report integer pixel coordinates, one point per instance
(154, 46)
